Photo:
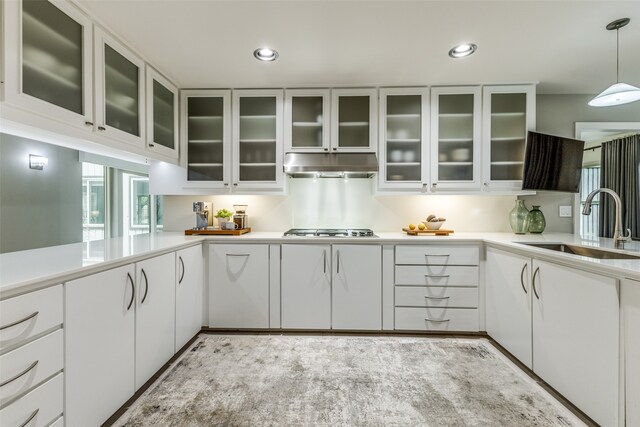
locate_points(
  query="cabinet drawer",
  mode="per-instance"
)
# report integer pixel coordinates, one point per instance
(437, 255)
(41, 406)
(436, 275)
(436, 296)
(36, 361)
(437, 319)
(28, 315)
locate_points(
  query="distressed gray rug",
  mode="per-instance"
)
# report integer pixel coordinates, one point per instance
(248, 380)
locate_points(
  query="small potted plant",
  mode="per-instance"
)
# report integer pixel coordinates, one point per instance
(223, 215)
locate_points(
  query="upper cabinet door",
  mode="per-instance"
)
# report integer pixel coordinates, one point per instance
(162, 115)
(257, 139)
(455, 138)
(306, 113)
(206, 137)
(404, 138)
(354, 115)
(508, 113)
(119, 89)
(48, 60)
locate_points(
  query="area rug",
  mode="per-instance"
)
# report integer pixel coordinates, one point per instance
(273, 380)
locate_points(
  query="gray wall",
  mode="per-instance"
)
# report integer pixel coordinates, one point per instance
(38, 208)
(557, 115)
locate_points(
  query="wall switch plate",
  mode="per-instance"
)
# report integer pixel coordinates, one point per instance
(565, 211)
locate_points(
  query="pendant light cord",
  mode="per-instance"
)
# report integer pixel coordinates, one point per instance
(618, 55)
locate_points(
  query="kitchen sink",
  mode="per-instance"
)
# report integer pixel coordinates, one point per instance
(582, 251)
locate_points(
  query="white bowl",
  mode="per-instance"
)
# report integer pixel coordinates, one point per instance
(434, 225)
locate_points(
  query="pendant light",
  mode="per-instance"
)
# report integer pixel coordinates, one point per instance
(618, 93)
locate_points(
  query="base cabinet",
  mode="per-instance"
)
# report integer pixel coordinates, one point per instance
(630, 297)
(239, 286)
(189, 294)
(99, 345)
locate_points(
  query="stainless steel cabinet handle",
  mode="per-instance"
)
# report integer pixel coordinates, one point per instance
(17, 322)
(151, 145)
(338, 261)
(181, 263)
(524, 267)
(133, 291)
(444, 255)
(324, 261)
(146, 286)
(226, 184)
(436, 275)
(15, 377)
(438, 298)
(102, 128)
(32, 416)
(533, 282)
(88, 123)
(437, 321)
(238, 254)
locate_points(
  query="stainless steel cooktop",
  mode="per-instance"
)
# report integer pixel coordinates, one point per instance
(330, 232)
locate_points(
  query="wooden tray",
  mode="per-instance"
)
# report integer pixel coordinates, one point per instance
(217, 232)
(416, 232)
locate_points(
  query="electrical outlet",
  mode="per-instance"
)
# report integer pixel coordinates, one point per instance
(565, 212)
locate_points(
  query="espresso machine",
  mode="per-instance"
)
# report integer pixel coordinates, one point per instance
(203, 217)
(240, 217)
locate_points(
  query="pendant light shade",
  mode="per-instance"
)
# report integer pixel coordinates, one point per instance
(618, 93)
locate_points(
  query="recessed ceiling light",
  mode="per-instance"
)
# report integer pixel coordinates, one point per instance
(265, 54)
(462, 50)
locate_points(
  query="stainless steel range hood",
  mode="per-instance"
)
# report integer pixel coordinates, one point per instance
(330, 165)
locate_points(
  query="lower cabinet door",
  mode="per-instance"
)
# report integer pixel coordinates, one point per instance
(630, 294)
(239, 286)
(357, 287)
(575, 337)
(155, 315)
(306, 286)
(99, 345)
(189, 294)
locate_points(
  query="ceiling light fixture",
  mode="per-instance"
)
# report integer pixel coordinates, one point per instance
(462, 50)
(265, 54)
(618, 93)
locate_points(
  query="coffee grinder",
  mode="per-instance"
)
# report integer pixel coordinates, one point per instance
(240, 217)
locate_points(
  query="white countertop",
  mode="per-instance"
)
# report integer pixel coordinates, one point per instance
(25, 271)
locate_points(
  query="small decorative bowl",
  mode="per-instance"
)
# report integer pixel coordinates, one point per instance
(433, 225)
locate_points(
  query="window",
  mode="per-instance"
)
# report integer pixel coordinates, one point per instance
(590, 181)
(93, 202)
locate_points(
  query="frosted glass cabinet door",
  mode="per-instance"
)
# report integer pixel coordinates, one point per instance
(354, 120)
(162, 115)
(206, 124)
(119, 90)
(455, 136)
(306, 120)
(403, 154)
(53, 75)
(257, 144)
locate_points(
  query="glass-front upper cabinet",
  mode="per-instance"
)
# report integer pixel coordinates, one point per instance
(306, 113)
(455, 138)
(162, 115)
(404, 142)
(508, 113)
(206, 137)
(50, 42)
(257, 139)
(354, 120)
(119, 90)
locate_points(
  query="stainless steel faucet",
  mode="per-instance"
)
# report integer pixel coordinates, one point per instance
(618, 236)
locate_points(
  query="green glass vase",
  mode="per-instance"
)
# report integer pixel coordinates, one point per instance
(536, 220)
(519, 218)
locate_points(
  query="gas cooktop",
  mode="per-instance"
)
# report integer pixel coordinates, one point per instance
(330, 232)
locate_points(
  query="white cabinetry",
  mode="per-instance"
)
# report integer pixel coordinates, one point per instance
(306, 113)
(354, 125)
(239, 286)
(356, 298)
(508, 302)
(189, 294)
(155, 315)
(162, 115)
(306, 286)
(630, 297)
(38, 408)
(99, 345)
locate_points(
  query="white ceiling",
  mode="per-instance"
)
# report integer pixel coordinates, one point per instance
(561, 44)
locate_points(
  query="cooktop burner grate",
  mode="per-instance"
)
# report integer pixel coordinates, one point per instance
(330, 232)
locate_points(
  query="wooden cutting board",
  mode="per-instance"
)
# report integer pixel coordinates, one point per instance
(217, 232)
(416, 232)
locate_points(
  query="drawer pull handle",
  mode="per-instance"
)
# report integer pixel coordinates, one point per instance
(133, 291)
(338, 259)
(436, 275)
(533, 282)
(238, 254)
(437, 321)
(17, 322)
(438, 298)
(15, 377)
(524, 267)
(324, 261)
(146, 286)
(32, 416)
(444, 255)
(182, 276)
